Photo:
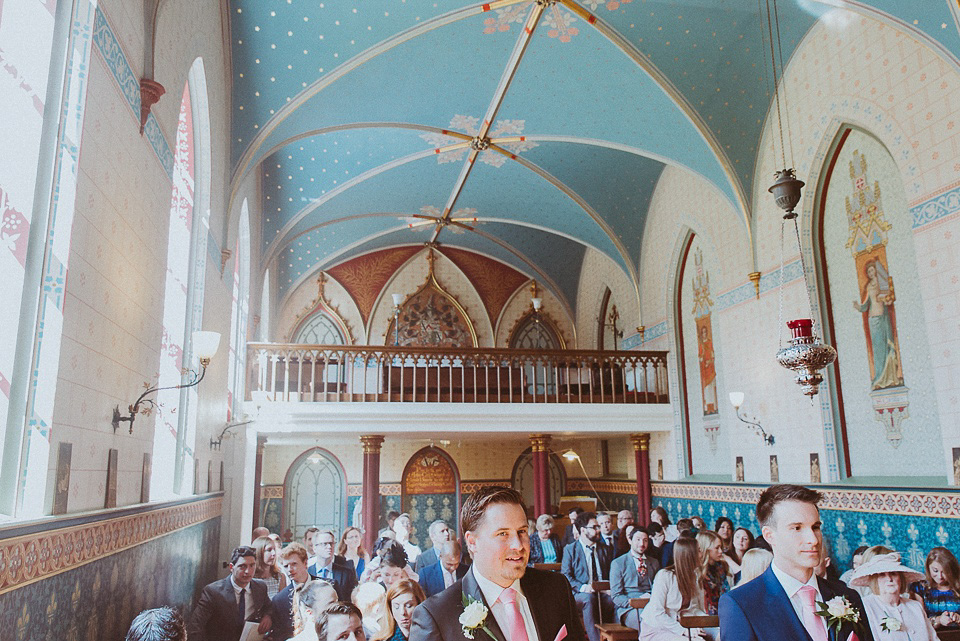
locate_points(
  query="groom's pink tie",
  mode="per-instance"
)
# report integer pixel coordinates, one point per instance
(518, 630)
(811, 620)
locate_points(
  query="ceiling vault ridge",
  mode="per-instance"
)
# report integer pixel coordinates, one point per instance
(667, 85)
(482, 136)
(353, 63)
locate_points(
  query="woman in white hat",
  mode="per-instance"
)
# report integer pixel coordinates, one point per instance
(890, 616)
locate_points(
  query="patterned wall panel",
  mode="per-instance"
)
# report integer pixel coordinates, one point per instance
(910, 521)
(364, 276)
(55, 578)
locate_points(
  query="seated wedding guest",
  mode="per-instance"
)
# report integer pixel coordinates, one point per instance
(393, 566)
(605, 523)
(340, 622)
(403, 527)
(715, 577)
(857, 561)
(402, 598)
(631, 577)
(624, 518)
(308, 544)
(331, 568)
(159, 624)
(293, 558)
(742, 541)
(675, 591)
(217, 615)
(940, 589)
(570, 534)
(371, 598)
(268, 565)
(869, 553)
(754, 563)
(260, 531)
(699, 524)
(684, 528)
(545, 545)
(724, 529)
(351, 549)
(657, 541)
(436, 578)
(371, 571)
(889, 615)
(659, 515)
(584, 561)
(308, 605)
(439, 533)
(276, 539)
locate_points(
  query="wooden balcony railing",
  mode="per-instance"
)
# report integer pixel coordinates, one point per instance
(335, 373)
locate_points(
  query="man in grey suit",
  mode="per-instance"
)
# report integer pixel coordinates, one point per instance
(226, 605)
(502, 598)
(585, 561)
(439, 533)
(631, 577)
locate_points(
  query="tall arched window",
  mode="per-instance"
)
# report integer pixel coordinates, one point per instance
(175, 427)
(241, 306)
(316, 492)
(263, 328)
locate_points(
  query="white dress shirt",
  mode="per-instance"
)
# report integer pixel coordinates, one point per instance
(448, 577)
(792, 587)
(248, 599)
(589, 553)
(491, 594)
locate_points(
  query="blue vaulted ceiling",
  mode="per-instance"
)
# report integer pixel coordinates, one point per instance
(357, 117)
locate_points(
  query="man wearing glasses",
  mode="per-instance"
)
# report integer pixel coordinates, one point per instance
(585, 561)
(330, 568)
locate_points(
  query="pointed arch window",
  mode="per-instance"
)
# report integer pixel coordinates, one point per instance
(240, 312)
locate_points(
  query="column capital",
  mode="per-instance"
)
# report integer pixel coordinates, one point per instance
(540, 442)
(641, 442)
(371, 443)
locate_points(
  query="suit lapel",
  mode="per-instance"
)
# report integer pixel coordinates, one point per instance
(779, 608)
(472, 589)
(537, 609)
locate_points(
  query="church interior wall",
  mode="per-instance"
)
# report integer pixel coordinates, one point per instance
(598, 274)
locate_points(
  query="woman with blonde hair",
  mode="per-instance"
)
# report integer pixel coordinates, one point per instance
(713, 572)
(402, 598)
(371, 598)
(754, 563)
(676, 591)
(351, 548)
(268, 566)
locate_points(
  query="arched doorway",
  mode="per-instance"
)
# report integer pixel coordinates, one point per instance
(522, 479)
(430, 490)
(316, 493)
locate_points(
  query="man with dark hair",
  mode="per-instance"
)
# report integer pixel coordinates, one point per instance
(159, 624)
(226, 605)
(570, 534)
(308, 537)
(293, 558)
(436, 578)
(331, 568)
(585, 561)
(684, 528)
(631, 577)
(781, 604)
(393, 565)
(522, 604)
(342, 621)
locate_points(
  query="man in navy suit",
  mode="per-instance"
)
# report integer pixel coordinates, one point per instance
(294, 561)
(781, 604)
(584, 561)
(436, 578)
(331, 568)
(226, 605)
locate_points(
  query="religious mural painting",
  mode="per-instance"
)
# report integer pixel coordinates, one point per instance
(430, 492)
(706, 354)
(867, 242)
(814, 467)
(739, 469)
(774, 469)
(956, 466)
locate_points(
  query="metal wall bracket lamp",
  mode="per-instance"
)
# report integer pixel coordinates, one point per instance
(205, 345)
(736, 399)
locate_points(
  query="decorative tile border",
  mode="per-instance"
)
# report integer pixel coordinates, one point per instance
(651, 333)
(906, 502)
(271, 492)
(109, 47)
(937, 208)
(469, 487)
(771, 280)
(36, 555)
(386, 489)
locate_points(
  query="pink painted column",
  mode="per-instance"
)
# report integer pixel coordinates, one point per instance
(540, 447)
(641, 448)
(371, 489)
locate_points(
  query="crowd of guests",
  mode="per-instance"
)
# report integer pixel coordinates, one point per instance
(329, 588)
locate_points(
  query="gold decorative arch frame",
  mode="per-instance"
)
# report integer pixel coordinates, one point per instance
(321, 305)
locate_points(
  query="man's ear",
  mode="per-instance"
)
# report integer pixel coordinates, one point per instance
(767, 533)
(471, 540)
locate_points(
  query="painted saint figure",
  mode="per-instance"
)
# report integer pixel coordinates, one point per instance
(708, 370)
(876, 305)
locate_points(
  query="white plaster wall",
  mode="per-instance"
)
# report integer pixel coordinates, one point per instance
(114, 297)
(520, 305)
(598, 273)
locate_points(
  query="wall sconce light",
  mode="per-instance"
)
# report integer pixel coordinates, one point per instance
(736, 399)
(205, 346)
(397, 301)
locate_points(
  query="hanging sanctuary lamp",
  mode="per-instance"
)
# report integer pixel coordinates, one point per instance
(805, 354)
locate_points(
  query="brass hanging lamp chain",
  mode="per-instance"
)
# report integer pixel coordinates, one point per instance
(786, 102)
(776, 88)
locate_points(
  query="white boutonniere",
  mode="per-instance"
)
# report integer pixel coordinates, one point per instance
(838, 611)
(474, 617)
(889, 624)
